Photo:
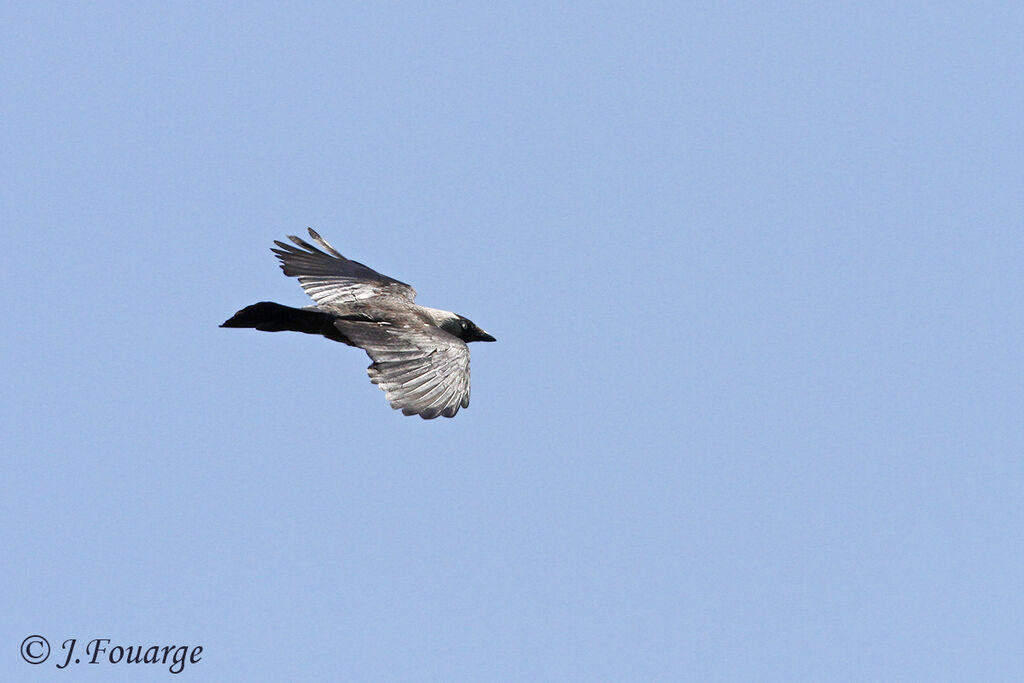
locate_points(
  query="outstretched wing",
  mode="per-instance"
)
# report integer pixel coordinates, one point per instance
(330, 278)
(422, 369)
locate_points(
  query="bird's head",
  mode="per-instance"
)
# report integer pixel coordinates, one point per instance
(469, 332)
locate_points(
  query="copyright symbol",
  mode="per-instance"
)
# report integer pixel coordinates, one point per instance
(35, 649)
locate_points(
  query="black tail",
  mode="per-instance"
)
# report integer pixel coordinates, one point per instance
(270, 317)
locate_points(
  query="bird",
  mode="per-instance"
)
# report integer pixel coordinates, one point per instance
(420, 358)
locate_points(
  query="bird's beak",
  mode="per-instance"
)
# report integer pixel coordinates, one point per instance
(483, 336)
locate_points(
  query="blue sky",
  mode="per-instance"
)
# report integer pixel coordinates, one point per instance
(754, 412)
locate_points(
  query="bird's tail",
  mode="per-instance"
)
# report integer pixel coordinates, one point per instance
(270, 317)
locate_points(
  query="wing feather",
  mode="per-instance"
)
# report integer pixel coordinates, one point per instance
(422, 369)
(330, 278)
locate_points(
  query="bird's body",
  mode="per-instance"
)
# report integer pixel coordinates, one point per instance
(420, 357)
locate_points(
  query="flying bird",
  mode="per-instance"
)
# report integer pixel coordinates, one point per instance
(420, 358)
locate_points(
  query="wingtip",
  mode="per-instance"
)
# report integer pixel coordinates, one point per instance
(324, 243)
(301, 242)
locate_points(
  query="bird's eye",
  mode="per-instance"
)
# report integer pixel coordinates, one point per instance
(465, 325)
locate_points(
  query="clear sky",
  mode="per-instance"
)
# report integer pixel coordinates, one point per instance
(755, 409)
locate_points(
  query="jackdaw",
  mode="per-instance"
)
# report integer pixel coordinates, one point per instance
(420, 358)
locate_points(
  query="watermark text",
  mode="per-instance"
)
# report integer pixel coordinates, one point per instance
(35, 649)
